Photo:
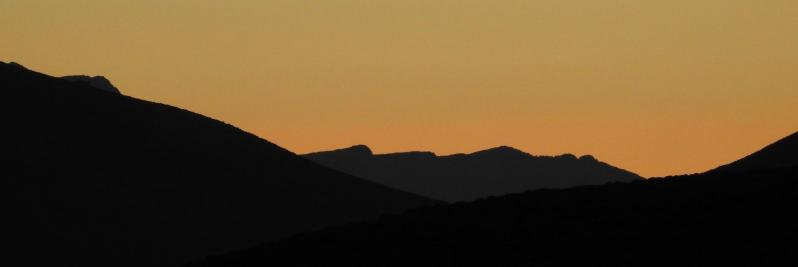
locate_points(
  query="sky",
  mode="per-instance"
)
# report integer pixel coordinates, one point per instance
(655, 87)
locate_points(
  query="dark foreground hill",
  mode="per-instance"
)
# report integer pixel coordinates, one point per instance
(745, 218)
(727, 219)
(780, 154)
(466, 177)
(94, 178)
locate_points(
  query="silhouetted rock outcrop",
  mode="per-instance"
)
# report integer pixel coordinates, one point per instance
(741, 218)
(160, 186)
(98, 82)
(462, 177)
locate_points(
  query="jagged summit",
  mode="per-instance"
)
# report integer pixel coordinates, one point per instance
(462, 177)
(98, 82)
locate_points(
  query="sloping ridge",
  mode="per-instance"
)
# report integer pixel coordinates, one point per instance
(98, 179)
(465, 177)
(98, 82)
(783, 153)
(746, 218)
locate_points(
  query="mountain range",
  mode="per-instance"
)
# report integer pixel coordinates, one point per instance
(465, 177)
(92, 178)
(744, 215)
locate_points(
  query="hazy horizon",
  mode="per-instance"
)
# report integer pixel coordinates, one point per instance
(655, 88)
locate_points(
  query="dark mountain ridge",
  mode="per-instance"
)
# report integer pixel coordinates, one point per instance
(92, 178)
(98, 82)
(783, 153)
(464, 177)
(718, 218)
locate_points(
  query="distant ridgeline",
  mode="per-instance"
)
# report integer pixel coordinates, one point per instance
(742, 214)
(465, 177)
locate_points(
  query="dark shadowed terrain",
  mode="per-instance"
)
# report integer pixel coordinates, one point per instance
(98, 82)
(783, 153)
(95, 178)
(466, 177)
(732, 218)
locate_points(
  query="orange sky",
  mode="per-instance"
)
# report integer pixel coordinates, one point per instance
(661, 88)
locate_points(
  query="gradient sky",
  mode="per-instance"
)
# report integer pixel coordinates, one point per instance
(656, 87)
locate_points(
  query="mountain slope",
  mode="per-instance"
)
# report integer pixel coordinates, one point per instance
(465, 177)
(93, 178)
(783, 153)
(719, 219)
(98, 82)
(740, 218)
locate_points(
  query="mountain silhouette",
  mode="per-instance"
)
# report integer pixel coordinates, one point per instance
(98, 82)
(98, 179)
(464, 177)
(745, 218)
(783, 153)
